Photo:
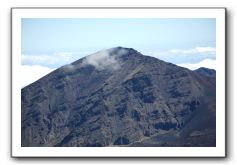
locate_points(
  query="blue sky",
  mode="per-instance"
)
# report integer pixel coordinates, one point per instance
(54, 42)
(55, 35)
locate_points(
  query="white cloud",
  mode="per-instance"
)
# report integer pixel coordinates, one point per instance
(30, 74)
(105, 59)
(207, 63)
(200, 50)
(177, 56)
(205, 49)
(44, 60)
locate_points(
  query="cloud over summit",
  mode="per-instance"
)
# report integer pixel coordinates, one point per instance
(105, 59)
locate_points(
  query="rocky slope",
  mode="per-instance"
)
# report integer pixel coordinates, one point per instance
(119, 97)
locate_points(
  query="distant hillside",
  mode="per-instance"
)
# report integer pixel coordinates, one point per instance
(206, 72)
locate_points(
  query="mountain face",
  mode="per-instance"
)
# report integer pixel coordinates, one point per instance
(119, 97)
(206, 72)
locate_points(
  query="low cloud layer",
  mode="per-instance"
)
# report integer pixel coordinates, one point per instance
(36, 66)
(210, 50)
(30, 74)
(193, 55)
(52, 60)
(207, 63)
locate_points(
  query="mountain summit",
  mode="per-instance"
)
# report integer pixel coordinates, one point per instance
(119, 97)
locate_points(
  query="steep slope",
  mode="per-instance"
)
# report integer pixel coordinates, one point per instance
(118, 97)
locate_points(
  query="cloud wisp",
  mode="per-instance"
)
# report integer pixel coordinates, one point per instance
(105, 59)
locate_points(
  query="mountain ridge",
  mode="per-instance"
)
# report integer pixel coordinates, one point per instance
(93, 103)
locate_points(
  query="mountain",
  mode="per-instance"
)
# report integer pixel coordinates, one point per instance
(206, 72)
(119, 97)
